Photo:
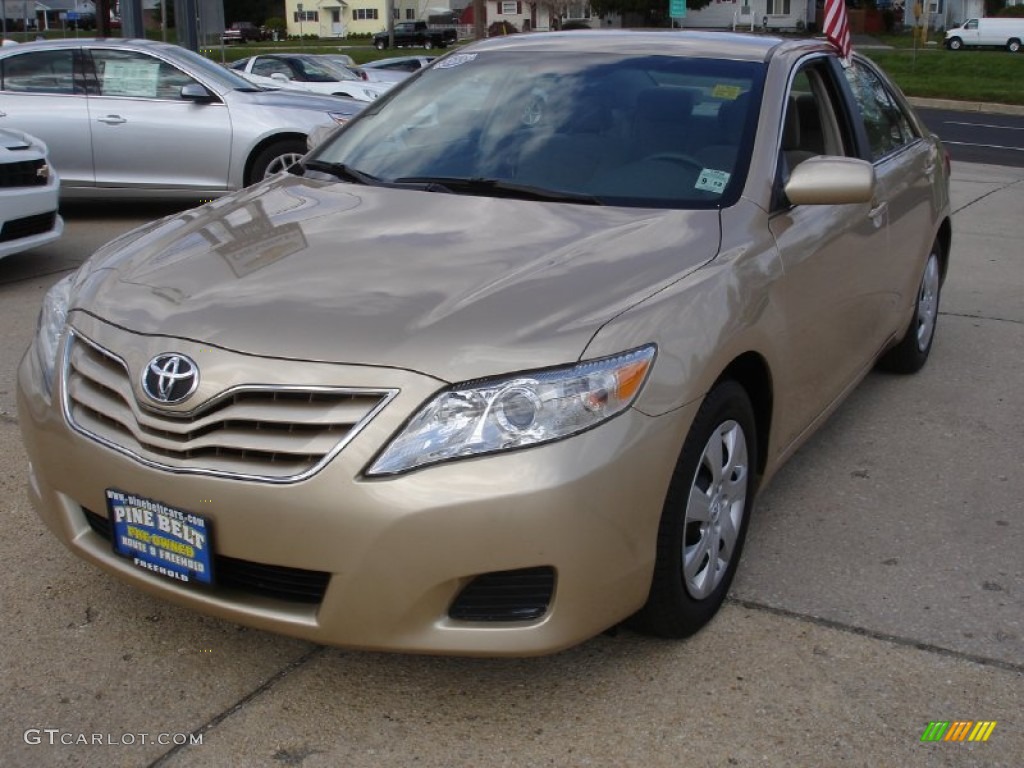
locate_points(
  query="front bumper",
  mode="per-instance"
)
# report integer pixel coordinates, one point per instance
(398, 551)
(28, 217)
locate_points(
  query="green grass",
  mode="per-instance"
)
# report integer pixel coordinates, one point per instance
(984, 75)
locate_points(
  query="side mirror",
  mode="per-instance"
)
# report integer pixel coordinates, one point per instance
(827, 180)
(196, 92)
(280, 77)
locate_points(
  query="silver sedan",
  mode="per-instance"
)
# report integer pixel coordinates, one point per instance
(131, 118)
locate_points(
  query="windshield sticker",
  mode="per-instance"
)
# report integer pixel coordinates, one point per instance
(711, 180)
(130, 78)
(454, 61)
(726, 92)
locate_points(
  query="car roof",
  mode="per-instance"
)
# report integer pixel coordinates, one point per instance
(112, 42)
(714, 45)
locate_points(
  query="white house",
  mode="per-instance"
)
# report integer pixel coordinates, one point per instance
(742, 14)
(340, 18)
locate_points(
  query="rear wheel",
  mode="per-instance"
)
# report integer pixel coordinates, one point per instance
(704, 521)
(955, 44)
(1013, 46)
(910, 355)
(380, 45)
(275, 158)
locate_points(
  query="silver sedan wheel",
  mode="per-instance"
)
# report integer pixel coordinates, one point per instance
(714, 511)
(928, 303)
(282, 163)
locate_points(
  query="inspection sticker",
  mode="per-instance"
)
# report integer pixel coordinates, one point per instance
(159, 538)
(711, 180)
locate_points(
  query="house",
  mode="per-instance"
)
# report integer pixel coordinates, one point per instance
(745, 14)
(340, 18)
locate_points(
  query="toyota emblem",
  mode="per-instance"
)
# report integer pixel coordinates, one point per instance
(170, 378)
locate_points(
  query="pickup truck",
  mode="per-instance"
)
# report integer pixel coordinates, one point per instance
(241, 32)
(418, 34)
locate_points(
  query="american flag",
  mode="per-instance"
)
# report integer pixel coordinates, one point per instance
(837, 30)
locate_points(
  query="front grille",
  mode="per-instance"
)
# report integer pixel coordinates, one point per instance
(15, 229)
(25, 173)
(519, 595)
(274, 434)
(294, 585)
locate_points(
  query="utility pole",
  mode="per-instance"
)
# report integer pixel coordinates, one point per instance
(389, 9)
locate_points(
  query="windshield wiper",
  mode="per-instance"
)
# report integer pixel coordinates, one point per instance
(497, 188)
(340, 171)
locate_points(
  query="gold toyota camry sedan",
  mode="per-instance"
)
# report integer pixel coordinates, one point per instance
(506, 360)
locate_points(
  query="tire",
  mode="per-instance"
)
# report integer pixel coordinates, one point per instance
(955, 44)
(704, 514)
(275, 158)
(380, 45)
(428, 45)
(1013, 46)
(911, 353)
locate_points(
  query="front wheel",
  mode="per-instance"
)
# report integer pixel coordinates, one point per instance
(380, 45)
(275, 158)
(1013, 46)
(910, 355)
(955, 44)
(705, 517)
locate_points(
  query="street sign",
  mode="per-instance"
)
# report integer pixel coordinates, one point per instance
(72, 16)
(677, 9)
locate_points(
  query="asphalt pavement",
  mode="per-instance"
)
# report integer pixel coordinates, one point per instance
(882, 589)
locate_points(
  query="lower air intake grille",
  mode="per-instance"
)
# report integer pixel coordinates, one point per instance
(15, 229)
(520, 595)
(294, 585)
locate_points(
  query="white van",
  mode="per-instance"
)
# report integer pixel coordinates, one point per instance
(1005, 33)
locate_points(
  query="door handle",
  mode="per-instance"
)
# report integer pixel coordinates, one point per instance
(877, 212)
(112, 119)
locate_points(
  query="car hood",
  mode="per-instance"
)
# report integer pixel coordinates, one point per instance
(453, 286)
(13, 142)
(301, 100)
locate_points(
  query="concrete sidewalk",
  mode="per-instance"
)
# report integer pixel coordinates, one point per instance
(882, 589)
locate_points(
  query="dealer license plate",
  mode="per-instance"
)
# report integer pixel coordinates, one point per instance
(161, 539)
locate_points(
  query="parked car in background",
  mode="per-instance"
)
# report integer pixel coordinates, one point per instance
(142, 118)
(408, 64)
(394, 69)
(242, 32)
(307, 72)
(29, 189)
(417, 34)
(494, 377)
(1005, 33)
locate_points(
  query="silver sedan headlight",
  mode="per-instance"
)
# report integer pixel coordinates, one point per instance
(517, 411)
(52, 318)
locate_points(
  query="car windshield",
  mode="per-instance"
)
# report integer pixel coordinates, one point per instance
(657, 131)
(222, 76)
(321, 70)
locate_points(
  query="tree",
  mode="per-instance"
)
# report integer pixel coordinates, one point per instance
(993, 7)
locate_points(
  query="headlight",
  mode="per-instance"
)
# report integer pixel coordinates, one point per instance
(339, 117)
(52, 317)
(517, 411)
